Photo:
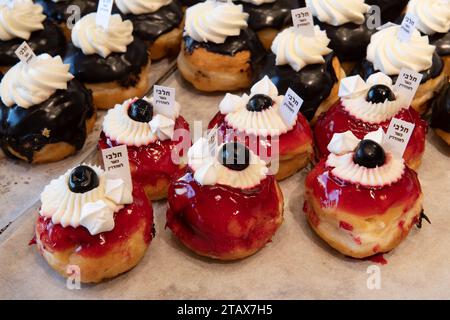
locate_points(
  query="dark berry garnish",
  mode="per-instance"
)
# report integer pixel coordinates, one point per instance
(369, 154)
(141, 111)
(83, 179)
(259, 102)
(234, 156)
(379, 93)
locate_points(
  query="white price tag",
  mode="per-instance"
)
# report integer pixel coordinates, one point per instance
(25, 53)
(408, 82)
(407, 27)
(303, 21)
(164, 100)
(213, 139)
(115, 161)
(398, 135)
(104, 13)
(290, 106)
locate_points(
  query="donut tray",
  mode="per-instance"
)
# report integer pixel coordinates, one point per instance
(295, 265)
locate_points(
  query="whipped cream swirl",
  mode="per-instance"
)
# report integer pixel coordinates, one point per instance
(389, 55)
(209, 171)
(19, 18)
(433, 16)
(267, 122)
(93, 210)
(342, 147)
(29, 84)
(258, 2)
(338, 12)
(118, 126)
(212, 21)
(291, 47)
(140, 6)
(93, 39)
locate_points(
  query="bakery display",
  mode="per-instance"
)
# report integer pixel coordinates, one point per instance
(148, 131)
(361, 199)
(368, 106)
(346, 27)
(256, 121)
(440, 119)
(110, 62)
(20, 21)
(45, 114)
(226, 206)
(306, 65)
(94, 222)
(157, 22)
(219, 52)
(386, 53)
(390, 9)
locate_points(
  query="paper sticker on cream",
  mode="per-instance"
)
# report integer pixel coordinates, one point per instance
(115, 161)
(104, 13)
(290, 106)
(303, 21)
(407, 27)
(398, 135)
(25, 53)
(164, 99)
(408, 82)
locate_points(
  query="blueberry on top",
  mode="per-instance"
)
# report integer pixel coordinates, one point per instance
(83, 179)
(234, 156)
(379, 93)
(369, 154)
(141, 110)
(259, 102)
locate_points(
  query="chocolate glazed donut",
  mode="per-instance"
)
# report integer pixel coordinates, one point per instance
(49, 40)
(121, 67)
(440, 118)
(390, 9)
(313, 83)
(57, 11)
(63, 116)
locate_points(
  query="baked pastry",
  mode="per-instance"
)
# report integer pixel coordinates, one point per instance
(386, 53)
(361, 199)
(368, 106)
(345, 24)
(157, 22)
(226, 206)
(94, 222)
(307, 66)
(112, 63)
(256, 121)
(268, 17)
(148, 131)
(45, 114)
(20, 21)
(219, 52)
(390, 9)
(440, 119)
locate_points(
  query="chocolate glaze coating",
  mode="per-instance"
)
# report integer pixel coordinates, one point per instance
(150, 26)
(349, 41)
(57, 11)
(313, 83)
(365, 69)
(390, 9)
(189, 3)
(64, 114)
(440, 118)
(121, 67)
(271, 15)
(50, 40)
(247, 40)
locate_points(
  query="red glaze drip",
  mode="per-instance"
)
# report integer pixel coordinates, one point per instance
(216, 219)
(332, 192)
(338, 120)
(299, 136)
(378, 258)
(32, 241)
(57, 238)
(154, 161)
(345, 225)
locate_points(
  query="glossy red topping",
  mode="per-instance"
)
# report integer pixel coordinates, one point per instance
(299, 136)
(338, 120)
(154, 161)
(332, 192)
(216, 219)
(57, 238)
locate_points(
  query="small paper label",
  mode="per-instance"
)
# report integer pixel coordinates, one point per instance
(25, 53)
(303, 21)
(290, 106)
(398, 135)
(212, 138)
(408, 82)
(115, 161)
(164, 99)
(104, 13)
(407, 27)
